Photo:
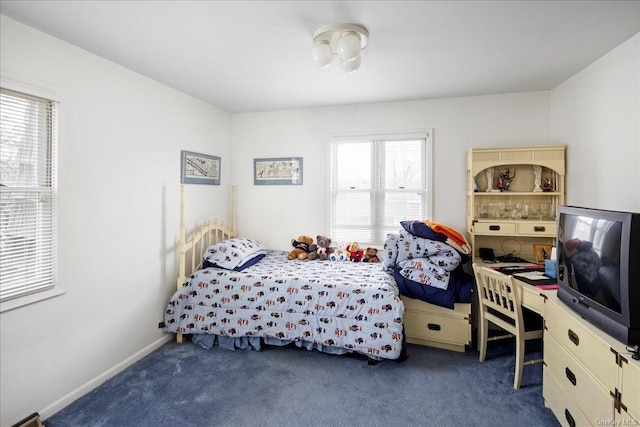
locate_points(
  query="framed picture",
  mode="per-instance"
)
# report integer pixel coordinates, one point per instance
(541, 253)
(277, 171)
(198, 168)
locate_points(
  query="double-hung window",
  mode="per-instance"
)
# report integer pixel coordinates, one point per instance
(27, 195)
(376, 182)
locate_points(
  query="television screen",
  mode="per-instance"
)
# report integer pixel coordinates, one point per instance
(589, 257)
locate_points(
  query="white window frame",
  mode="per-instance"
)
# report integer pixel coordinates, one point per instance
(425, 134)
(50, 92)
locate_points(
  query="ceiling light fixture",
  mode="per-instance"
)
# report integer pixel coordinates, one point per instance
(344, 40)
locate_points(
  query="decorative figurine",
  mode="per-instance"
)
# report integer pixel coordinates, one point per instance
(547, 185)
(505, 179)
(537, 173)
(489, 173)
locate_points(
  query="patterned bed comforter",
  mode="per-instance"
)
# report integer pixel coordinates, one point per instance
(353, 306)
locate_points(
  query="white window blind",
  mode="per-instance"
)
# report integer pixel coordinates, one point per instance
(376, 182)
(27, 194)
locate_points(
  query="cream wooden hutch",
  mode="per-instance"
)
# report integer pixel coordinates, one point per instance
(511, 222)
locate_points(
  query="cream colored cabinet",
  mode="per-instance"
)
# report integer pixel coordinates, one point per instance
(589, 378)
(513, 196)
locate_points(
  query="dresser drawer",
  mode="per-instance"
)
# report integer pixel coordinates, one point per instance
(631, 386)
(560, 404)
(532, 298)
(430, 327)
(494, 227)
(428, 324)
(595, 402)
(574, 335)
(534, 228)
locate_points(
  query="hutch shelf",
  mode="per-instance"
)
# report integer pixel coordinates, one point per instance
(513, 196)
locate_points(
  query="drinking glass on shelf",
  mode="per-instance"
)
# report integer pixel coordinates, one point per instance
(483, 210)
(513, 214)
(508, 207)
(493, 210)
(501, 210)
(534, 210)
(524, 210)
(543, 209)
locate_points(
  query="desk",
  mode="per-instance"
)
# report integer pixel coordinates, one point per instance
(534, 298)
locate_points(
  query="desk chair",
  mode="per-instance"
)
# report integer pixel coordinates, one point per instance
(499, 302)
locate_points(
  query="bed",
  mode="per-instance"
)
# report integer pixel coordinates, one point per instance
(235, 293)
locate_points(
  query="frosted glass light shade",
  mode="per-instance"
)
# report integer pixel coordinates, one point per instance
(322, 53)
(348, 46)
(350, 66)
(345, 40)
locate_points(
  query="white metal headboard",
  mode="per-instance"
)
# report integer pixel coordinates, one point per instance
(191, 250)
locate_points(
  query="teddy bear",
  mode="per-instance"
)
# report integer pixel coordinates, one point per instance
(321, 249)
(339, 254)
(302, 248)
(355, 253)
(371, 255)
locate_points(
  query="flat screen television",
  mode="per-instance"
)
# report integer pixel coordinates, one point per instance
(599, 268)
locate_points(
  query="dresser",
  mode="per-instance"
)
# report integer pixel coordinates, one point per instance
(589, 378)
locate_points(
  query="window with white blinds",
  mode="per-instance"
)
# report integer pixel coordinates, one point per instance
(376, 182)
(27, 194)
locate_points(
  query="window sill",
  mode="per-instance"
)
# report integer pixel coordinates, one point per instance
(30, 299)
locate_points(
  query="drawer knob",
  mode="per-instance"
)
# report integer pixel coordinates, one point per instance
(570, 376)
(573, 337)
(539, 228)
(433, 326)
(494, 227)
(569, 418)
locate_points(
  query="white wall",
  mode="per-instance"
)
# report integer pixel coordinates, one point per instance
(597, 114)
(275, 214)
(119, 174)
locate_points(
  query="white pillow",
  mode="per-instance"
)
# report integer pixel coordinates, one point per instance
(233, 252)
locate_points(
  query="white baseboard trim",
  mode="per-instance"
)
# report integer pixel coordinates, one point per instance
(86, 388)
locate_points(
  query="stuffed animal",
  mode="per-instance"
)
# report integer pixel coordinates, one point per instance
(321, 249)
(339, 253)
(355, 253)
(302, 247)
(371, 255)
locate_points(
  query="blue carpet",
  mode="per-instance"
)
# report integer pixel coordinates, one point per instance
(184, 385)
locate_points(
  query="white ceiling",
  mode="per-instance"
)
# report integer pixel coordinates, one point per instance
(245, 56)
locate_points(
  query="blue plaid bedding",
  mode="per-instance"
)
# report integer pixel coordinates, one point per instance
(352, 306)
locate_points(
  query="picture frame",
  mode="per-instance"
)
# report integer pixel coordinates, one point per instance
(541, 252)
(197, 168)
(277, 171)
